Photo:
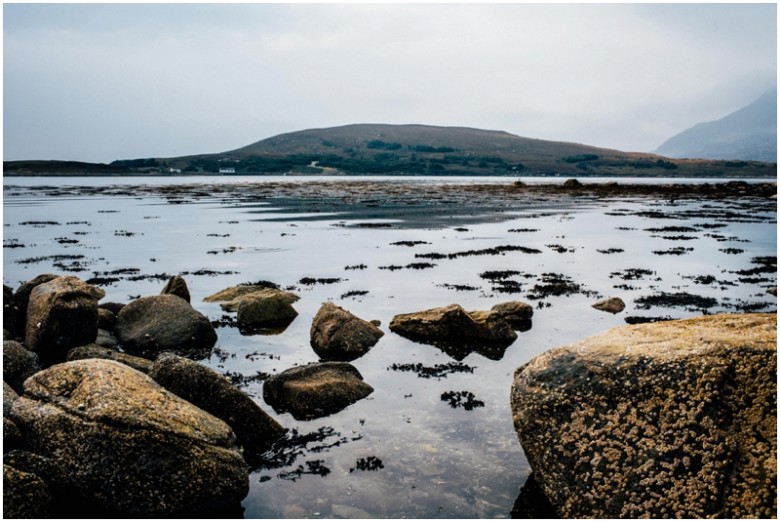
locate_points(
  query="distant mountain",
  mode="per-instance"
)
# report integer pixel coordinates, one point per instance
(747, 134)
(419, 150)
(432, 150)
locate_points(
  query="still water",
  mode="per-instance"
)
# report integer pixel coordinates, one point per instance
(403, 451)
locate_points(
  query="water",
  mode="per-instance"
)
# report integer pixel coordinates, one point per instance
(436, 461)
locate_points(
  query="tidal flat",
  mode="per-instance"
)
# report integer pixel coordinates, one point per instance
(435, 439)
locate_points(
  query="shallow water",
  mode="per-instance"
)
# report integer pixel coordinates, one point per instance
(437, 461)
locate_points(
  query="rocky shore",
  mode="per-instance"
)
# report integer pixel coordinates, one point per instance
(106, 413)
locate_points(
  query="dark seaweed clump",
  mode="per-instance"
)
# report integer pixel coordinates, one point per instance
(354, 293)
(558, 285)
(313, 467)
(632, 274)
(410, 243)
(676, 251)
(458, 288)
(636, 319)
(293, 444)
(356, 267)
(610, 250)
(368, 464)
(311, 281)
(462, 399)
(494, 251)
(690, 302)
(671, 229)
(438, 371)
(731, 250)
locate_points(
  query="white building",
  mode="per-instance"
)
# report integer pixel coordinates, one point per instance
(227, 170)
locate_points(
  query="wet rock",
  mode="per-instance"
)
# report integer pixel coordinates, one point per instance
(267, 308)
(233, 294)
(9, 397)
(21, 298)
(96, 351)
(106, 319)
(111, 307)
(176, 285)
(11, 315)
(612, 305)
(24, 495)
(517, 313)
(12, 437)
(255, 429)
(315, 390)
(670, 419)
(131, 448)
(456, 331)
(106, 339)
(61, 313)
(18, 364)
(338, 335)
(164, 323)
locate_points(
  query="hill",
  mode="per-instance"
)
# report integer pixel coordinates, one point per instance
(431, 150)
(747, 134)
(62, 168)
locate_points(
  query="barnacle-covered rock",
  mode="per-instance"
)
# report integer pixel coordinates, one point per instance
(671, 419)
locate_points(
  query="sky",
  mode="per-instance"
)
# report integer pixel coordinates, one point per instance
(100, 82)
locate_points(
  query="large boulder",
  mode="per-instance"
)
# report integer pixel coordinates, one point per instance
(457, 331)
(255, 429)
(670, 419)
(61, 313)
(231, 297)
(613, 305)
(337, 335)
(152, 325)
(96, 351)
(131, 447)
(315, 390)
(18, 364)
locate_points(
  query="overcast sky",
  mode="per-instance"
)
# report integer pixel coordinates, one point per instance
(99, 82)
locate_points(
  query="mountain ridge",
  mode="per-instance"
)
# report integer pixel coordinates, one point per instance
(749, 133)
(416, 149)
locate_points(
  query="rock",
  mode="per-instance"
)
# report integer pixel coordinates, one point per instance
(572, 183)
(24, 495)
(9, 398)
(61, 314)
(96, 351)
(11, 315)
(517, 313)
(264, 309)
(12, 437)
(112, 307)
(106, 319)
(669, 419)
(22, 297)
(456, 331)
(531, 502)
(208, 390)
(315, 390)
(18, 364)
(337, 335)
(772, 291)
(232, 296)
(106, 339)
(176, 285)
(164, 323)
(612, 305)
(131, 448)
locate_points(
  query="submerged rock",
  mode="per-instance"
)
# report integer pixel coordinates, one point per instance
(337, 335)
(456, 331)
(315, 390)
(131, 448)
(151, 325)
(612, 305)
(669, 419)
(255, 429)
(265, 309)
(61, 313)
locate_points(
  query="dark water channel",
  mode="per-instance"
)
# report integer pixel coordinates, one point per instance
(435, 438)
